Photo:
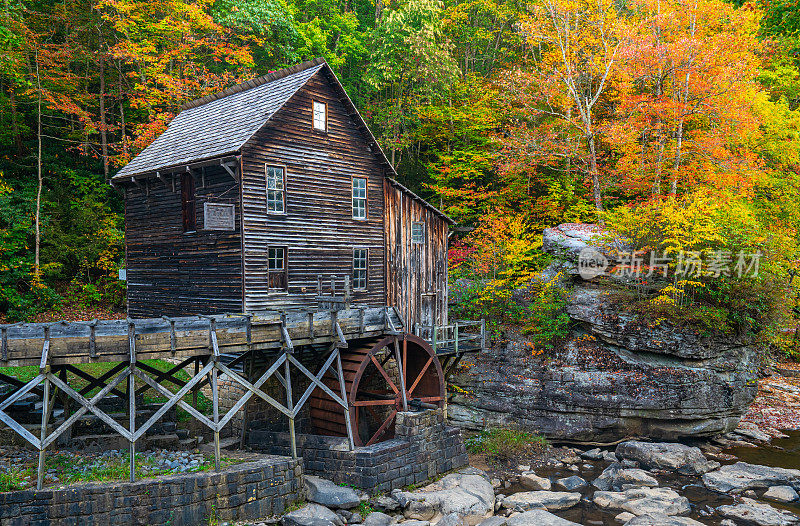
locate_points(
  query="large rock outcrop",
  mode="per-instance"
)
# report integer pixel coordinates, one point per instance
(618, 375)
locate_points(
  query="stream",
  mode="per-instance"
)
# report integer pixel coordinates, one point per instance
(781, 453)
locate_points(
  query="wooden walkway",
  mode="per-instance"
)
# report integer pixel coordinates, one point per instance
(58, 349)
(182, 337)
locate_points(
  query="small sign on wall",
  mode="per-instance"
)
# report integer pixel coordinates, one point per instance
(219, 216)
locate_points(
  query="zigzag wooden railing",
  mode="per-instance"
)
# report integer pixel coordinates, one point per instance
(199, 340)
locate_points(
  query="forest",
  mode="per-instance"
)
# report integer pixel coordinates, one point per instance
(674, 123)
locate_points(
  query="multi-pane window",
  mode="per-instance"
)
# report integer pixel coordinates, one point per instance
(188, 203)
(359, 198)
(360, 268)
(276, 192)
(320, 116)
(418, 232)
(277, 269)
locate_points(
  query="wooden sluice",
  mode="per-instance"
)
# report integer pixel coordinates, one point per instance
(273, 338)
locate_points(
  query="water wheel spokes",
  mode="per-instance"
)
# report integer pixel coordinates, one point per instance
(376, 388)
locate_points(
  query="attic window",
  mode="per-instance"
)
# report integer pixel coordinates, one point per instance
(320, 116)
(276, 189)
(418, 232)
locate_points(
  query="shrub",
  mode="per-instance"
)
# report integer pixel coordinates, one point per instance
(715, 227)
(506, 443)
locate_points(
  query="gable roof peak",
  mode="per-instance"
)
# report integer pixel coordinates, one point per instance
(253, 83)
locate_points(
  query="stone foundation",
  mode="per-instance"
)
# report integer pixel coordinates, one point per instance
(246, 491)
(424, 447)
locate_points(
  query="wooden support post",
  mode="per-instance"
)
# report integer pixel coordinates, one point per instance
(401, 373)
(4, 348)
(343, 392)
(92, 339)
(132, 399)
(215, 404)
(44, 369)
(214, 346)
(43, 433)
(483, 334)
(290, 406)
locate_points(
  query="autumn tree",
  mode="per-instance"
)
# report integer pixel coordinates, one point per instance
(576, 45)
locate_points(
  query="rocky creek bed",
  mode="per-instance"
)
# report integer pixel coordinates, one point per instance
(633, 483)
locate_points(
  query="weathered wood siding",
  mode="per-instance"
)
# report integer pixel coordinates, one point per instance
(417, 283)
(317, 229)
(170, 272)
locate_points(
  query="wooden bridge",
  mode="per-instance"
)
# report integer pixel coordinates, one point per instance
(313, 344)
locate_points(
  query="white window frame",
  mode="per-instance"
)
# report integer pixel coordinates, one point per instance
(319, 124)
(278, 188)
(359, 201)
(358, 269)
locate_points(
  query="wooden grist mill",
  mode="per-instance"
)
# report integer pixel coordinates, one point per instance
(269, 246)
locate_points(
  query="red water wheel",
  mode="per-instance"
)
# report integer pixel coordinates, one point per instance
(374, 387)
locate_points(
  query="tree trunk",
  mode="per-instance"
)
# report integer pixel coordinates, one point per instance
(598, 198)
(122, 114)
(659, 167)
(36, 266)
(677, 162)
(103, 131)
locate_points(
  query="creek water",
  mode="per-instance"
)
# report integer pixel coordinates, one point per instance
(782, 453)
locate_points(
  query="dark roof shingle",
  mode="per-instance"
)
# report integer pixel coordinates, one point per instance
(220, 124)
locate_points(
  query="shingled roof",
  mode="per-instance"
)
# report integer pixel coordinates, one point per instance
(222, 123)
(219, 125)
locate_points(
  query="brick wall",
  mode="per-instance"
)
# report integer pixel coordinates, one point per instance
(245, 491)
(424, 447)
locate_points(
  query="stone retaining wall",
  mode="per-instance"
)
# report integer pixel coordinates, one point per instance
(244, 491)
(424, 447)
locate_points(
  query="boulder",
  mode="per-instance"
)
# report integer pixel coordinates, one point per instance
(617, 478)
(453, 519)
(550, 500)
(571, 483)
(567, 241)
(493, 521)
(530, 480)
(750, 512)
(312, 515)
(386, 503)
(471, 496)
(669, 456)
(325, 492)
(781, 494)
(593, 454)
(538, 518)
(742, 476)
(659, 519)
(377, 518)
(643, 501)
